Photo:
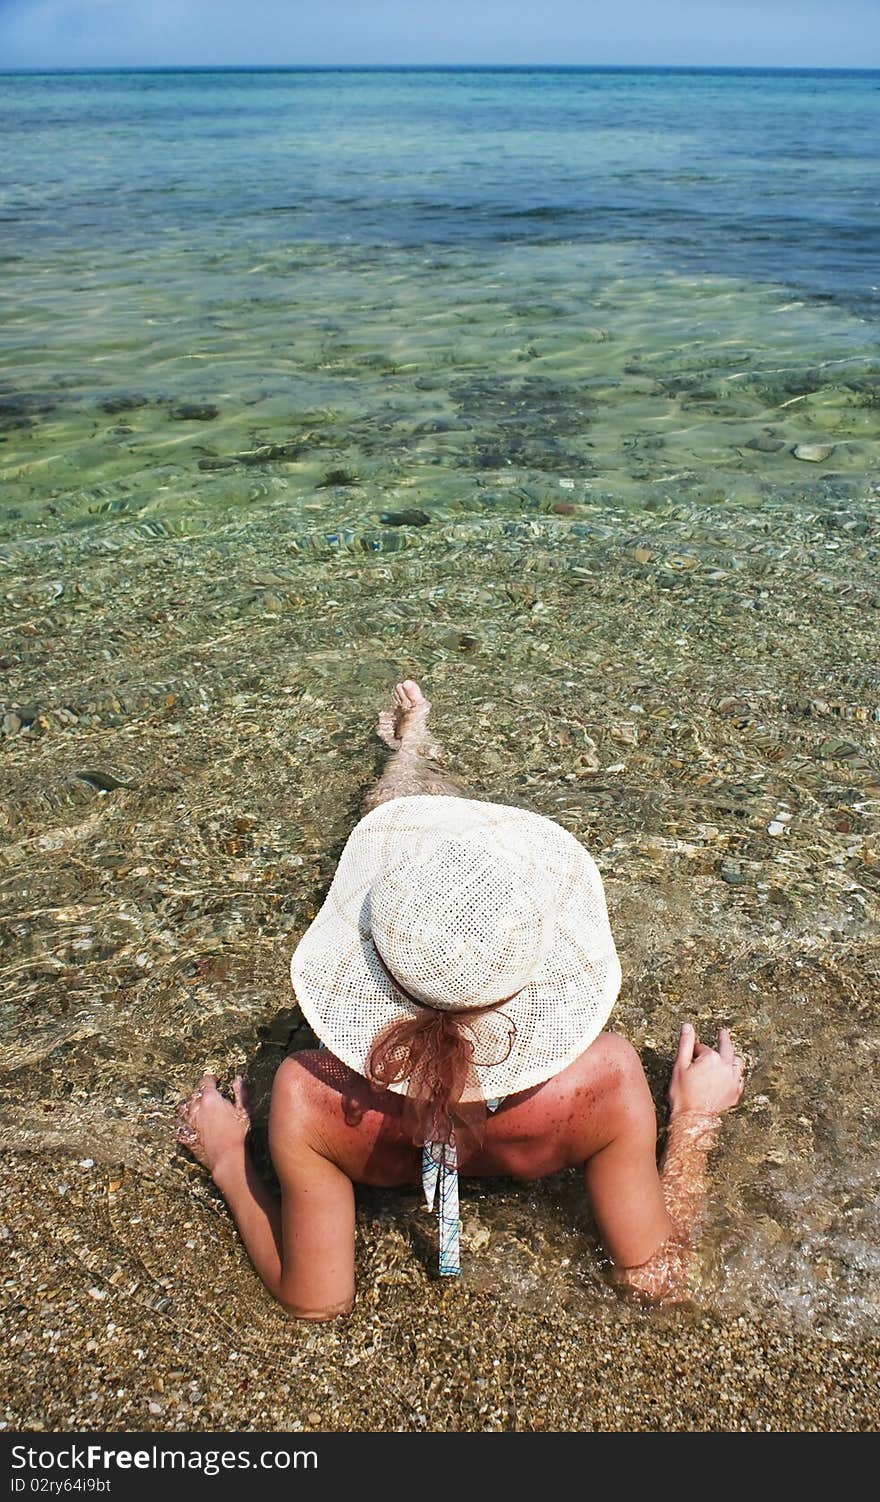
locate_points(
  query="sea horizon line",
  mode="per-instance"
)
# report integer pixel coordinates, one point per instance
(449, 67)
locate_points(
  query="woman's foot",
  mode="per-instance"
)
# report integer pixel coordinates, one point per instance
(416, 767)
(407, 721)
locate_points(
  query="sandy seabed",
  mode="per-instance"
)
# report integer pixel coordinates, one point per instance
(86, 1347)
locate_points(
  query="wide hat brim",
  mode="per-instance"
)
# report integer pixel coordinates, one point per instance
(348, 998)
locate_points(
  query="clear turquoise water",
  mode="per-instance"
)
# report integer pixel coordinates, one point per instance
(348, 258)
(309, 380)
(769, 176)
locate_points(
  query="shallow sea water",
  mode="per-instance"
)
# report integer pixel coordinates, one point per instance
(495, 381)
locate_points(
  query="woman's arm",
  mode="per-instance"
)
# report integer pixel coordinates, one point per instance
(302, 1248)
(215, 1131)
(684, 1182)
(705, 1083)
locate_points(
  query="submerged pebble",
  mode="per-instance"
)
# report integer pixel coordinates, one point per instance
(104, 782)
(338, 477)
(814, 453)
(122, 403)
(404, 518)
(194, 412)
(273, 451)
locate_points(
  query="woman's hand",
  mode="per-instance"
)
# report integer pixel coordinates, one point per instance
(210, 1125)
(705, 1081)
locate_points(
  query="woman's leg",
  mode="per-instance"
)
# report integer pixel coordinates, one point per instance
(414, 766)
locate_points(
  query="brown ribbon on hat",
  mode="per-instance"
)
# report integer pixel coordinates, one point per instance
(433, 1053)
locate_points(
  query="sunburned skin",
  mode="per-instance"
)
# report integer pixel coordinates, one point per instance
(330, 1129)
(530, 1136)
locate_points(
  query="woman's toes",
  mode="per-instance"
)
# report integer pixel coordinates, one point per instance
(410, 697)
(408, 717)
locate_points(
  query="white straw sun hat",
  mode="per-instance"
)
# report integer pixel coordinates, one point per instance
(467, 905)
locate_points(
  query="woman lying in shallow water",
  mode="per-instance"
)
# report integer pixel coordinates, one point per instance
(459, 975)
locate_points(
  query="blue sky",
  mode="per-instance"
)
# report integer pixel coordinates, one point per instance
(152, 33)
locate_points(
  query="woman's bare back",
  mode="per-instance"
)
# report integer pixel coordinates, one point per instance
(529, 1136)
